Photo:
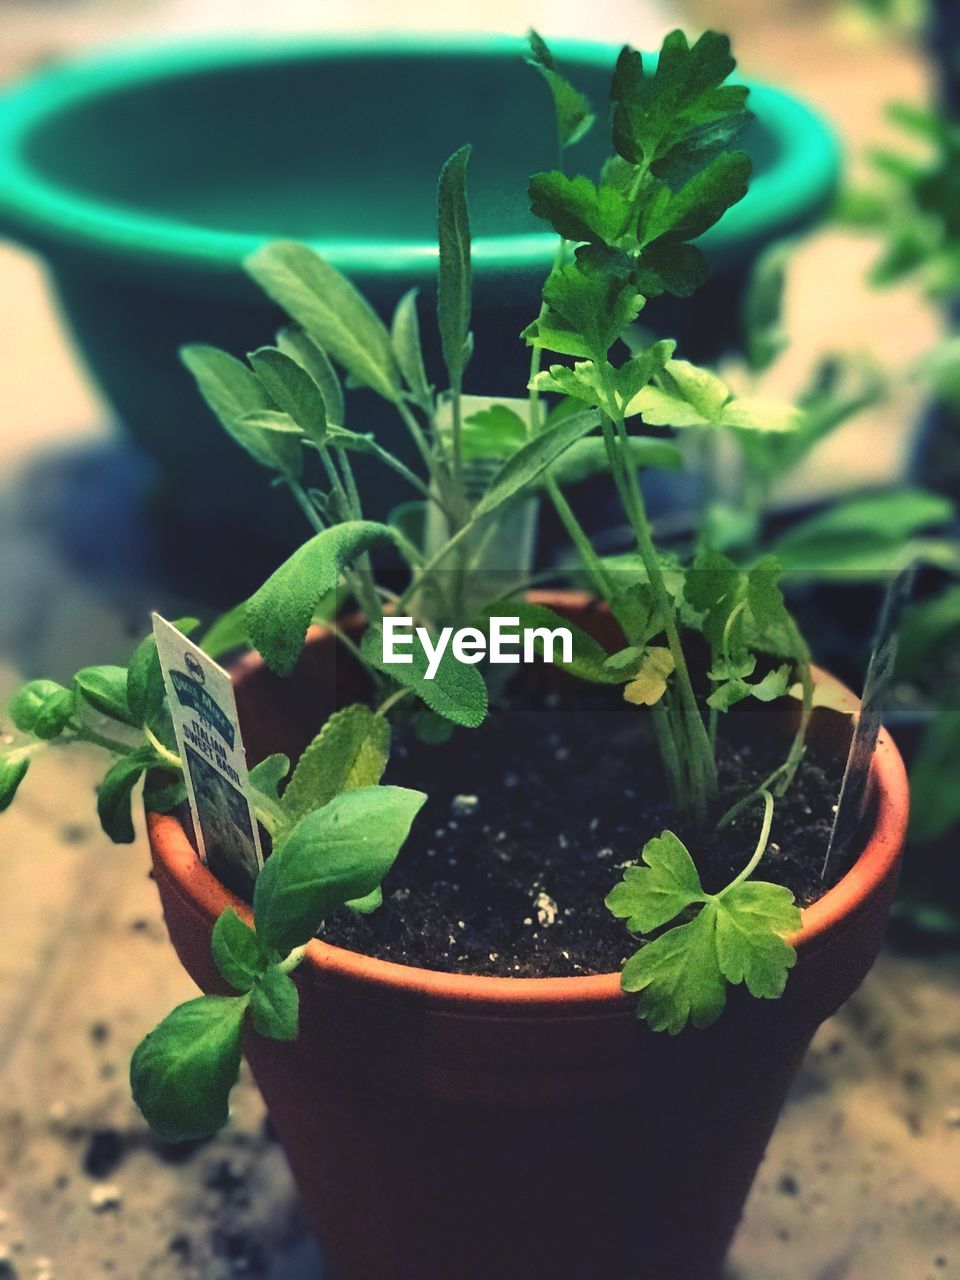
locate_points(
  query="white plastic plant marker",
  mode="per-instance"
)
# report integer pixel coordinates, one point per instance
(204, 711)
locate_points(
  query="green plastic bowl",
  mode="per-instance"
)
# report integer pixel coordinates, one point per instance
(146, 176)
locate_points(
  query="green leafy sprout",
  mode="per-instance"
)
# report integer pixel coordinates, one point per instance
(600, 401)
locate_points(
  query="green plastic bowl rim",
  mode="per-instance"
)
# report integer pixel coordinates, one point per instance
(791, 192)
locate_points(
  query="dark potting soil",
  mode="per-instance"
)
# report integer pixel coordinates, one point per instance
(529, 823)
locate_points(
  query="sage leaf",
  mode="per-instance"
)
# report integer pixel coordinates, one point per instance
(234, 393)
(457, 691)
(405, 336)
(238, 951)
(275, 1005)
(331, 311)
(331, 856)
(299, 346)
(530, 461)
(279, 614)
(350, 751)
(291, 386)
(453, 282)
(181, 1074)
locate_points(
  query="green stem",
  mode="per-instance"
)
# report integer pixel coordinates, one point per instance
(295, 958)
(86, 734)
(702, 765)
(168, 757)
(578, 536)
(392, 701)
(761, 848)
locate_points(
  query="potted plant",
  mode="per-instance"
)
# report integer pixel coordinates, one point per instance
(448, 1040)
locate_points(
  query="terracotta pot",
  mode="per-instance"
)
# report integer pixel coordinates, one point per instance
(444, 1126)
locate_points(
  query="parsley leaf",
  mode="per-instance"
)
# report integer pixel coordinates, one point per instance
(736, 936)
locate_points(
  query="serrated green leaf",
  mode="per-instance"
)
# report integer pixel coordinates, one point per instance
(275, 1005)
(677, 976)
(590, 302)
(181, 1074)
(239, 953)
(688, 396)
(456, 692)
(331, 856)
(683, 115)
(649, 682)
(289, 384)
(13, 769)
(349, 752)
(572, 110)
(41, 707)
(105, 689)
(738, 936)
(453, 280)
(113, 794)
(578, 209)
(330, 310)
(752, 919)
(529, 462)
(495, 432)
(280, 612)
(405, 336)
(651, 896)
(299, 346)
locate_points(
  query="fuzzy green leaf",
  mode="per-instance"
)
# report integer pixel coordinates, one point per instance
(279, 614)
(457, 692)
(524, 467)
(237, 397)
(405, 336)
(275, 1005)
(181, 1074)
(453, 280)
(349, 752)
(331, 311)
(299, 346)
(291, 386)
(227, 633)
(238, 951)
(573, 113)
(331, 856)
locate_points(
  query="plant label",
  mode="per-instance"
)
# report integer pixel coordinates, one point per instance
(204, 710)
(856, 775)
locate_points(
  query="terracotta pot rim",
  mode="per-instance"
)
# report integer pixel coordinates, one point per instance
(823, 921)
